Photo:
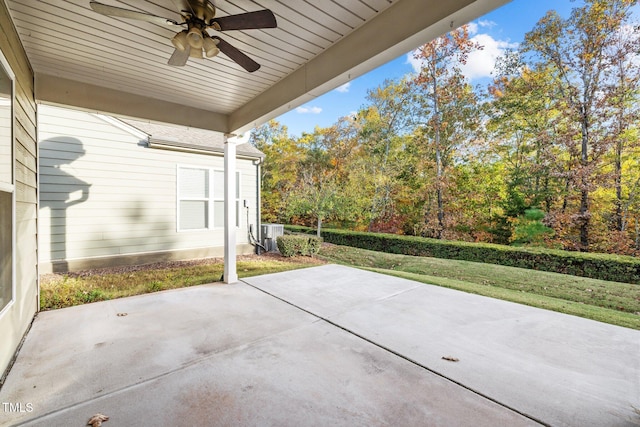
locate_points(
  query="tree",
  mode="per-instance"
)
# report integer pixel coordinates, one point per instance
(623, 91)
(385, 124)
(529, 229)
(524, 120)
(321, 192)
(319, 199)
(447, 105)
(280, 168)
(577, 48)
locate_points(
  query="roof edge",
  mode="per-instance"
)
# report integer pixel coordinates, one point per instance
(162, 144)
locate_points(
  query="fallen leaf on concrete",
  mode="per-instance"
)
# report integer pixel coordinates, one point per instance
(96, 420)
(450, 358)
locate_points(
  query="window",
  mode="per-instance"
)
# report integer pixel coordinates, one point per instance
(7, 188)
(218, 199)
(193, 193)
(201, 198)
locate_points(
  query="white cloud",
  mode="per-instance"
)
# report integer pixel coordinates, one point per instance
(482, 62)
(344, 88)
(309, 110)
(627, 34)
(487, 24)
(416, 64)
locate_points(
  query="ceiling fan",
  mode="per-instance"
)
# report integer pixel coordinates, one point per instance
(198, 16)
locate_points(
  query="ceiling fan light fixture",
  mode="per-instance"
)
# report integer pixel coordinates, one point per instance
(194, 37)
(180, 40)
(196, 53)
(210, 47)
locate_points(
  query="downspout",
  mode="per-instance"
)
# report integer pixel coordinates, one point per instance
(258, 165)
(38, 194)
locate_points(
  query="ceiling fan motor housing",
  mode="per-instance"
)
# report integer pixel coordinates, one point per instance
(203, 10)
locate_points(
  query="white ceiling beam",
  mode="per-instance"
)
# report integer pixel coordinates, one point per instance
(402, 27)
(60, 91)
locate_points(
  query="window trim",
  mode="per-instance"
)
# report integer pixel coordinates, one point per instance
(11, 186)
(211, 199)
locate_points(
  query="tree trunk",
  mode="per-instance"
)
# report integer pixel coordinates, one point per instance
(547, 197)
(619, 224)
(565, 198)
(584, 183)
(379, 208)
(439, 172)
(439, 189)
(319, 226)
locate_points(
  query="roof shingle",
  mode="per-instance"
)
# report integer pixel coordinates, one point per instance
(190, 138)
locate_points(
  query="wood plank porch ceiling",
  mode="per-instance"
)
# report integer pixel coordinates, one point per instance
(119, 66)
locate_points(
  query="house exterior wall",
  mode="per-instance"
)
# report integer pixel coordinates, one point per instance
(107, 199)
(16, 318)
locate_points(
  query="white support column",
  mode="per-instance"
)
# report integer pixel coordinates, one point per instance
(230, 271)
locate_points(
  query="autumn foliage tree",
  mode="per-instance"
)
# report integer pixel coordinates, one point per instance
(577, 47)
(547, 155)
(622, 87)
(447, 107)
(384, 125)
(523, 126)
(280, 169)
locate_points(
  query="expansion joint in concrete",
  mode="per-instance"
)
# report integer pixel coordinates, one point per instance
(400, 355)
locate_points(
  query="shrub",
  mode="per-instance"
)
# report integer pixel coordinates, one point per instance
(529, 229)
(597, 266)
(296, 244)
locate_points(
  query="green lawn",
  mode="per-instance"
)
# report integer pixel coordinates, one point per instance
(610, 302)
(65, 290)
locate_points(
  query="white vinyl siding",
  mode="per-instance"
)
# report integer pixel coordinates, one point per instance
(19, 207)
(201, 198)
(105, 193)
(7, 188)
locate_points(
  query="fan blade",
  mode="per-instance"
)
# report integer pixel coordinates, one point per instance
(179, 57)
(107, 10)
(246, 21)
(240, 58)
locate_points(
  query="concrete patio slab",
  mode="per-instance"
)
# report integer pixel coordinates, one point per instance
(328, 345)
(562, 370)
(312, 375)
(78, 353)
(222, 355)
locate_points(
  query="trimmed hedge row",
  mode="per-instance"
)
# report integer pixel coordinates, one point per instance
(291, 244)
(597, 266)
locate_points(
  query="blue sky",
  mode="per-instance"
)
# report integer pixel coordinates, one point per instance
(496, 31)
